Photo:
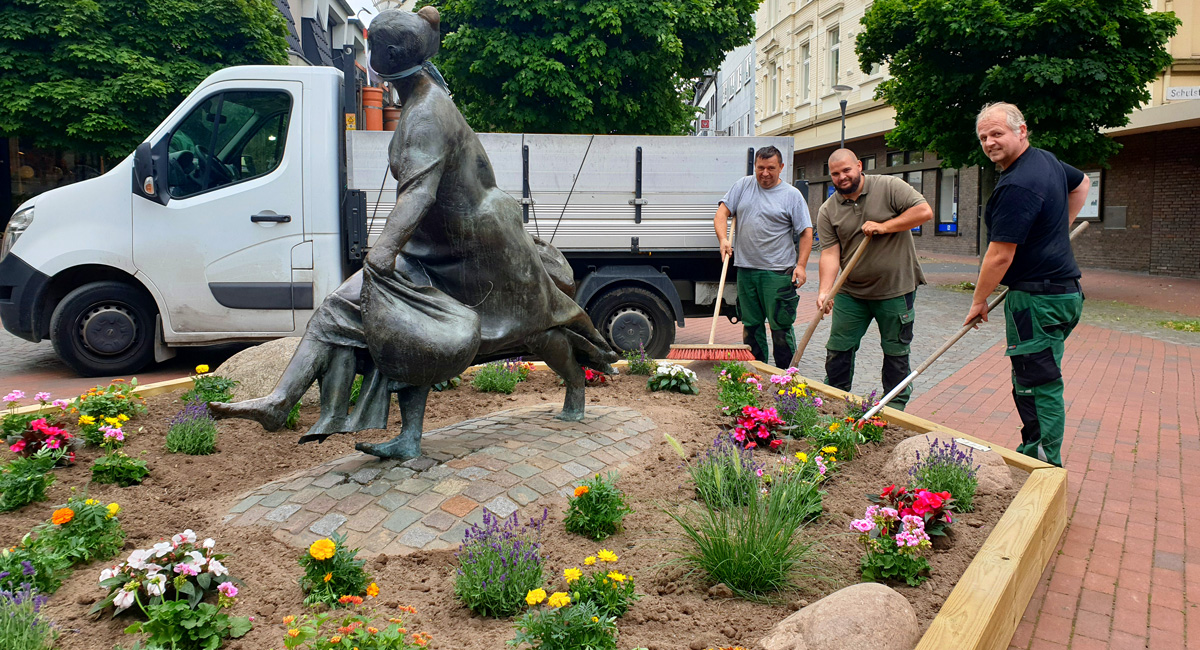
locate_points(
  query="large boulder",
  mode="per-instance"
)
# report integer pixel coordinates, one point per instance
(259, 368)
(993, 474)
(866, 615)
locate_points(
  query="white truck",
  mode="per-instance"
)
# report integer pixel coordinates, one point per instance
(251, 202)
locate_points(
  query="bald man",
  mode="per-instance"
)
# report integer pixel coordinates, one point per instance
(883, 286)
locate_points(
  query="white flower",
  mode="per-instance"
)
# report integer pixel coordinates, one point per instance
(156, 584)
(217, 569)
(123, 600)
(162, 548)
(137, 559)
(209, 543)
(197, 557)
(186, 536)
(108, 573)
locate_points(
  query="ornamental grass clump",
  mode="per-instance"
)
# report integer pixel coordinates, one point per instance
(557, 623)
(498, 377)
(673, 377)
(112, 405)
(79, 531)
(21, 624)
(25, 480)
(357, 629)
(947, 468)
(192, 431)
(726, 475)
(640, 363)
(115, 466)
(597, 508)
(208, 387)
(331, 571)
(499, 562)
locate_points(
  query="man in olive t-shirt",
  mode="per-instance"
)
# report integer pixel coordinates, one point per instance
(884, 283)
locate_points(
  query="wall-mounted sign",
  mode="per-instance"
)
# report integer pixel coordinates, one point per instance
(1091, 206)
(1183, 92)
(705, 124)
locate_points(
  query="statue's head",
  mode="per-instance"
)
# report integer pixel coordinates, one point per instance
(400, 40)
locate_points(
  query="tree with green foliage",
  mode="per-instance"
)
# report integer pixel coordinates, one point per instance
(584, 66)
(97, 76)
(1073, 67)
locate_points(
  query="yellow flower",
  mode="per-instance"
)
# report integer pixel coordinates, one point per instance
(572, 575)
(606, 555)
(293, 633)
(112, 422)
(802, 457)
(329, 576)
(829, 450)
(122, 417)
(322, 549)
(589, 560)
(559, 599)
(113, 509)
(335, 639)
(372, 590)
(535, 596)
(86, 420)
(595, 619)
(616, 577)
(91, 502)
(287, 620)
(781, 391)
(835, 426)
(201, 369)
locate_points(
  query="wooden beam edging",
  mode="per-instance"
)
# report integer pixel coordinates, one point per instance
(989, 599)
(145, 390)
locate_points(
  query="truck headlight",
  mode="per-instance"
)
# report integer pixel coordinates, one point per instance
(16, 227)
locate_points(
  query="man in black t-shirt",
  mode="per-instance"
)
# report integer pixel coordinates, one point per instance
(1028, 219)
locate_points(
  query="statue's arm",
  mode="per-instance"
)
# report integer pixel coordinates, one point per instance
(419, 172)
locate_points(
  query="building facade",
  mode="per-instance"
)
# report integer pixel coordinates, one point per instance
(805, 48)
(726, 96)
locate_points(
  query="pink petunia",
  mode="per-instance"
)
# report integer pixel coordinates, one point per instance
(42, 397)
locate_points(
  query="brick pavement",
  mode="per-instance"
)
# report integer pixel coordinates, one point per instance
(497, 463)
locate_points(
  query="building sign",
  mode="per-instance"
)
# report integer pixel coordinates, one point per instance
(351, 122)
(1091, 206)
(1183, 92)
(705, 124)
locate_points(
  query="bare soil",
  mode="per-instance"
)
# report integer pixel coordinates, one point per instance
(678, 610)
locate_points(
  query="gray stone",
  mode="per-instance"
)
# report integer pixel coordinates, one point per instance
(414, 485)
(866, 615)
(327, 525)
(418, 536)
(365, 475)
(420, 464)
(393, 500)
(401, 519)
(524, 494)
(439, 472)
(524, 471)
(329, 480)
(248, 502)
(272, 500)
(501, 506)
(399, 474)
(259, 368)
(472, 473)
(342, 491)
(281, 513)
(377, 488)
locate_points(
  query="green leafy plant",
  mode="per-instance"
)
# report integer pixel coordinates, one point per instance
(180, 625)
(332, 570)
(726, 475)
(449, 384)
(353, 630)
(293, 417)
(21, 625)
(732, 370)
(208, 387)
(563, 625)
(796, 483)
(798, 407)
(192, 431)
(115, 466)
(610, 590)
(1185, 325)
(842, 434)
(597, 508)
(737, 388)
(499, 561)
(355, 390)
(894, 544)
(673, 377)
(79, 531)
(639, 363)
(26, 433)
(169, 570)
(497, 377)
(111, 405)
(25, 480)
(19, 566)
(947, 468)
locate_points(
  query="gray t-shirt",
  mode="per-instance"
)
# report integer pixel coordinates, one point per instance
(766, 220)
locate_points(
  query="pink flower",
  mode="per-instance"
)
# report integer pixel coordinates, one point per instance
(17, 447)
(114, 433)
(53, 443)
(227, 589)
(42, 397)
(759, 471)
(817, 401)
(14, 396)
(862, 525)
(61, 403)
(185, 569)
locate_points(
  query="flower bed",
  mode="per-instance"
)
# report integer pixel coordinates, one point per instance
(678, 610)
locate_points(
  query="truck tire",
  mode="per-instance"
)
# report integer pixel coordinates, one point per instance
(104, 328)
(627, 316)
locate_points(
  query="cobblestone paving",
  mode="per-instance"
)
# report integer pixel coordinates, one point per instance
(497, 463)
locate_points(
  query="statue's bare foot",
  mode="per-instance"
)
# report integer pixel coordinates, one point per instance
(261, 410)
(398, 448)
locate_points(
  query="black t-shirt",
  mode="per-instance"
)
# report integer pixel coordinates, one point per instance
(1029, 208)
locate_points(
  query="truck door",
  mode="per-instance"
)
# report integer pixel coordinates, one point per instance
(220, 251)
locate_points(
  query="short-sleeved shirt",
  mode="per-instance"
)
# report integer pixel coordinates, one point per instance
(1029, 208)
(889, 268)
(766, 221)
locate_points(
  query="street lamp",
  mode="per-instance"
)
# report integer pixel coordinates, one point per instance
(842, 90)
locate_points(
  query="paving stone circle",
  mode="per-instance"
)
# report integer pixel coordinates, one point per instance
(499, 462)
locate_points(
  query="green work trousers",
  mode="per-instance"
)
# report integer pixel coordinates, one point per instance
(768, 296)
(1036, 328)
(851, 317)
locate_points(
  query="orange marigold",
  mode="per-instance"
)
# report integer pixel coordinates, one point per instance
(373, 590)
(62, 516)
(293, 633)
(287, 620)
(373, 630)
(582, 490)
(335, 639)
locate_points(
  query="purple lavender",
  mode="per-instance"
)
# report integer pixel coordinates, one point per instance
(192, 430)
(499, 562)
(947, 468)
(20, 622)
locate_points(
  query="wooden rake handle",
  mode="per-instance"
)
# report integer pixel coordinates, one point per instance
(712, 332)
(837, 286)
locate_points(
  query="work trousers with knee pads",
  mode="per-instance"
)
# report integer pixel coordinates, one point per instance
(851, 317)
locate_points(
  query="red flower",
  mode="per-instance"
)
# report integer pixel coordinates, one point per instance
(887, 492)
(775, 444)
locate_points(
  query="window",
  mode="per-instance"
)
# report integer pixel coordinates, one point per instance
(874, 70)
(749, 129)
(868, 163)
(947, 206)
(773, 89)
(895, 158)
(801, 173)
(805, 70)
(824, 169)
(914, 179)
(231, 137)
(833, 37)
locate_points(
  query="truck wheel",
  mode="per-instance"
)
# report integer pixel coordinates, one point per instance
(628, 316)
(104, 328)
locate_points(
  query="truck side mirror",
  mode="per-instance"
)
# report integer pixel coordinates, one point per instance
(150, 172)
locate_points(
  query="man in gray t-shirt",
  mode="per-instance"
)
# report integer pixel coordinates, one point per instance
(767, 212)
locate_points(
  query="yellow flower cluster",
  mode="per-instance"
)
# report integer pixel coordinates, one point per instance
(322, 549)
